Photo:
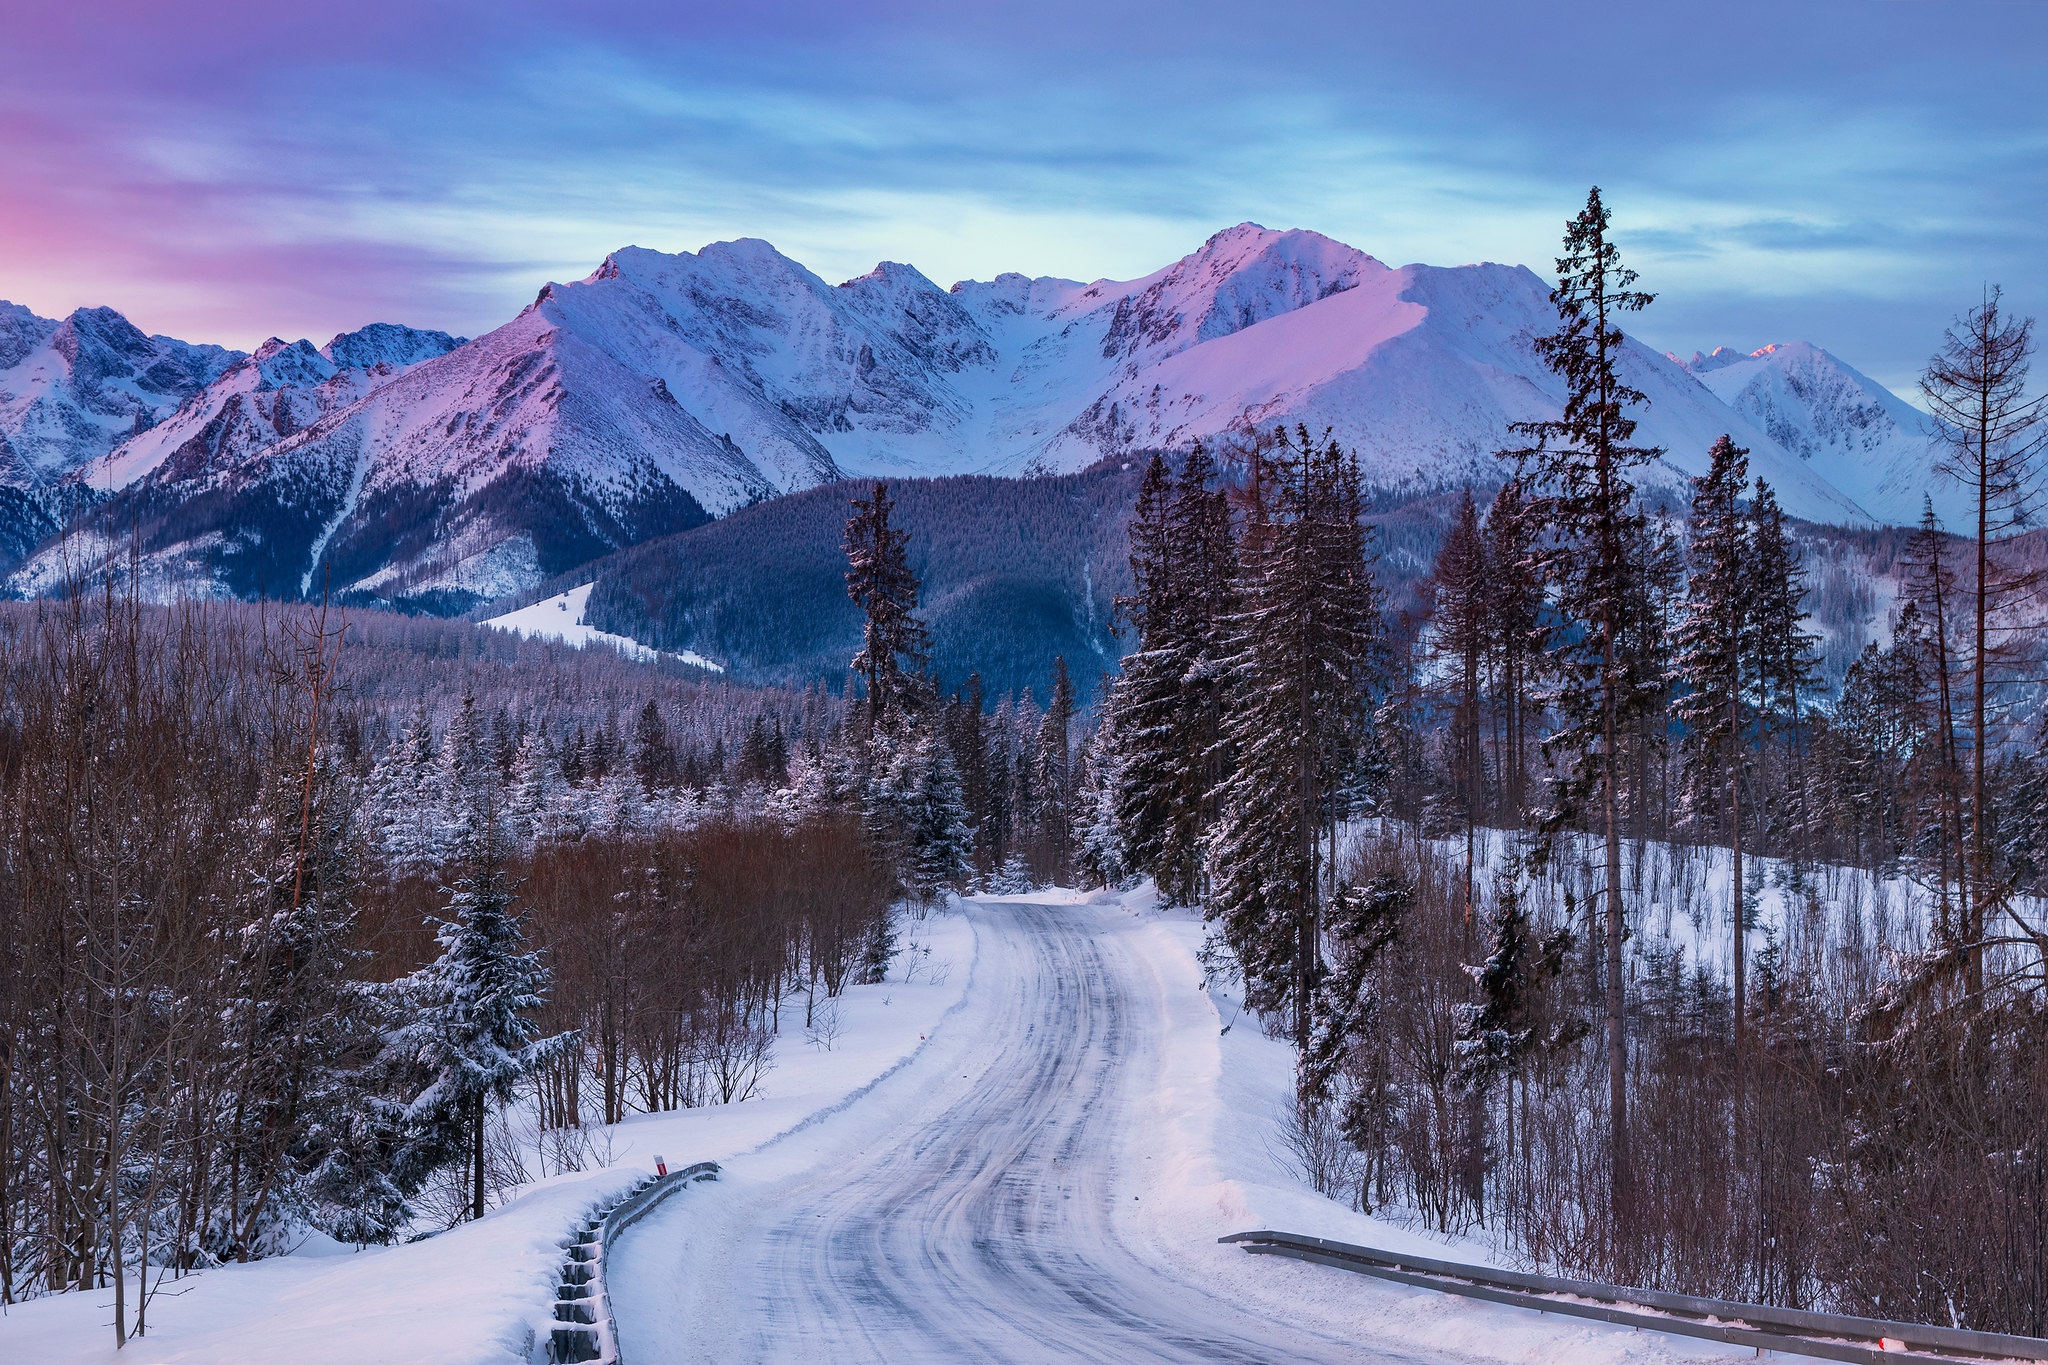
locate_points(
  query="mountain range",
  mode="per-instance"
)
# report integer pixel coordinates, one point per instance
(417, 469)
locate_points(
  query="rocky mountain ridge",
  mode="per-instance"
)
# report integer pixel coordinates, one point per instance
(665, 389)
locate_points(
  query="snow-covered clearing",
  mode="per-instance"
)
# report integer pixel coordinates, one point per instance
(482, 1292)
(1049, 1184)
(561, 618)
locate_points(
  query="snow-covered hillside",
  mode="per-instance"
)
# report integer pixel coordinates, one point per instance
(1859, 435)
(665, 388)
(561, 617)
(71, 390)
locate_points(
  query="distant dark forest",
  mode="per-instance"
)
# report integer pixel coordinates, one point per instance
(1015, 571)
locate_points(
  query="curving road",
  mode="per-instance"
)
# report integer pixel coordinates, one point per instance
(968, 1215)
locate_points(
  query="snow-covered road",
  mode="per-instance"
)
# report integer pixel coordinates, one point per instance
(974, 1206)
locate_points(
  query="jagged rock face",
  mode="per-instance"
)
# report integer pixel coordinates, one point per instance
(1863, 438)
(71, 390)
(666, 388)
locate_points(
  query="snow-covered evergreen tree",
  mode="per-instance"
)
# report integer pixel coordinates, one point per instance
(1098, 842)
(1716, 662)
(1307, 660)
(471, 1036)
(408, 795)
(916, 808)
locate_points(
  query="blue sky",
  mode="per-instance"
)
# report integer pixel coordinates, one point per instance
(1847, 173)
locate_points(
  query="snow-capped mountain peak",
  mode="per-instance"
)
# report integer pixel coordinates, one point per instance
(1856, 433)
(70, 390)
(663, 387)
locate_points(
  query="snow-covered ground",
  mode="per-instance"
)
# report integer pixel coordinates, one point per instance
(482, 1291)
(561, 618)
(1047, 1181)
(1023, 1146)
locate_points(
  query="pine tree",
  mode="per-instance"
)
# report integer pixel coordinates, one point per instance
(1787, 653)
(1717, 645)
(941, 843)
(409, 795)
(472, 1038)
(895, 647)
(1581, 461)
(1099, 848)
(1147, 698)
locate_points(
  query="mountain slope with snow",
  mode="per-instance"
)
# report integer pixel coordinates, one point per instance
(263, 398)
(663, 389)
(71, 390)
(1850, 429)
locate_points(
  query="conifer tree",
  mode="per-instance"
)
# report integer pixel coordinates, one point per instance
(1717, 644)
(941, 844)
(1147, 698)
(1787, 655)
(654, 758)
(895, 646)
(1168, 695)
(472, 1038)
(1581, 463)
(1098, 847)
(1053, 761)
(1307, 661)
(1460, 618)
(409, 794)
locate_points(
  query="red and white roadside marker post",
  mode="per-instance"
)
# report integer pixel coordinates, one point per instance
(660, 1166)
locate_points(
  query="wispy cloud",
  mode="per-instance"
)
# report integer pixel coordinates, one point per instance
(1827, 166)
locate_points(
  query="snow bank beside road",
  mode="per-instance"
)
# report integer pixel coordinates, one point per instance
(483, 1291)
(1209, 1159)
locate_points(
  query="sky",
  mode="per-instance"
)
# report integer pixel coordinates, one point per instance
(1852, 174)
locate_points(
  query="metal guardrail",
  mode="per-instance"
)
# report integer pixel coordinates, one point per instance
(1828, 1336)
(584, 1329)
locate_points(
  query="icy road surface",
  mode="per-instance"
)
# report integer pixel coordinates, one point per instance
(977, 1205)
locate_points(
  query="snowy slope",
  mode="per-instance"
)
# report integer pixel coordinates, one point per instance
(71, 390)
(561, 617)
(1850, 429)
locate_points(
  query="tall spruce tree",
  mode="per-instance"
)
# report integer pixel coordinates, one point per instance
(1168, 694)
(1147, 699)
(1788, 665)
(1053, 759)
(895, 646)
(1581, 465)
(1461, 614)
(1717, 653)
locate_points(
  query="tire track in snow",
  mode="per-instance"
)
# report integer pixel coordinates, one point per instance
(969, 1215)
